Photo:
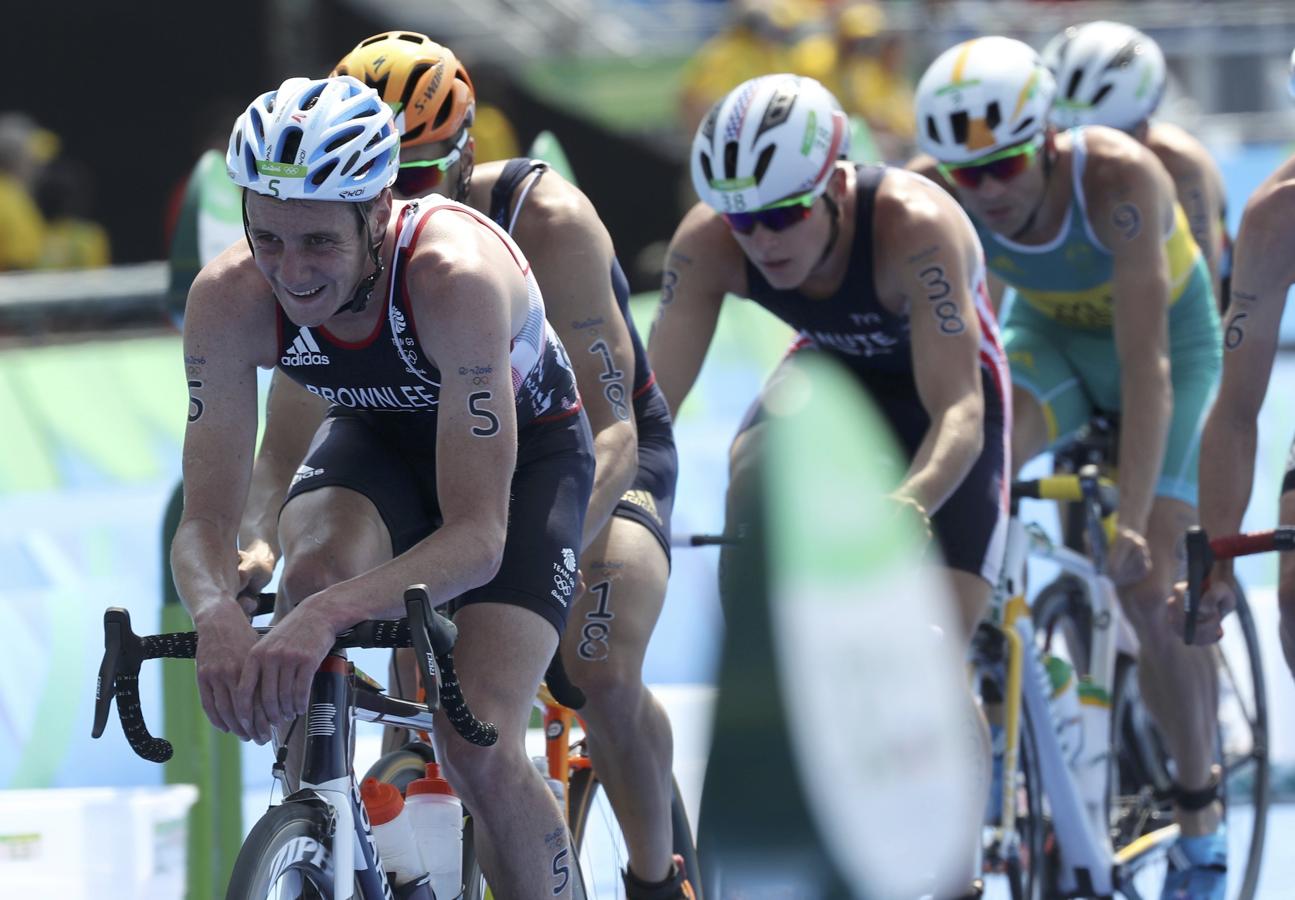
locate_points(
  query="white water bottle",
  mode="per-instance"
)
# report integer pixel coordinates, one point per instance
(392, 830)
(437, 818)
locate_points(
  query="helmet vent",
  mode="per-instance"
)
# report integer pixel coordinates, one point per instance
(350, 163)
(993, 115)
(1125, 57)
(705, 167)
(290, 145)
(310, 98)
(381, 85)
(1101, 94)
(730, 159)
(413, 133)
(778, 108)
(931, 131)
(321, 175)
(444, 112)
(373, 40)
(412, 38)
(342, 139)
(958, 121)
(762, 164)
(1024, 126)
(1072, 86)
(415, 76)
(708, 124)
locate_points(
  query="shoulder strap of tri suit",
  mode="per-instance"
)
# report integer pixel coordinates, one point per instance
(501, 195)
(867, 178)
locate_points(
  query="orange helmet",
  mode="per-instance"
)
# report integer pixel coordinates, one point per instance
(424, 83)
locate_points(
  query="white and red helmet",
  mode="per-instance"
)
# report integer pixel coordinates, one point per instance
(769, 139)
(316, 139)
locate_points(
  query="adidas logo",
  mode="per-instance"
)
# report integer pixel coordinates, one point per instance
(304, 351)
(304, 472)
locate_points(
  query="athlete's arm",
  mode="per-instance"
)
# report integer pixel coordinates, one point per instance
(292, 415)
(926, 255)
(463, 283)
(571, 252)
(1263, 270)
(701, 266)
(1131, 202)
(228, 316)
(1198, 186)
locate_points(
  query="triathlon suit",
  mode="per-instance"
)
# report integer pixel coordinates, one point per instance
(650, 498)
(379, 438)
(853, 327)
(1060, 339)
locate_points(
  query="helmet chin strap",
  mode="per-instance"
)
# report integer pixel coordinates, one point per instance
(364, 287)
(835, 212)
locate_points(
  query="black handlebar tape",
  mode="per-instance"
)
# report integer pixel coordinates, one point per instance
(561, 686)
(469, 727)
(153, 749)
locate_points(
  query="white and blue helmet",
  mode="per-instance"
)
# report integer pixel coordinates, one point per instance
(768, 139)
(1107, 73)
(316, 139)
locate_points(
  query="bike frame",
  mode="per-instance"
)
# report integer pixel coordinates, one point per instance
(1088, 864)
(327, 776)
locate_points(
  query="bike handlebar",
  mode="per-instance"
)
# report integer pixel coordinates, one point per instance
(431, 634)
(1203, 551)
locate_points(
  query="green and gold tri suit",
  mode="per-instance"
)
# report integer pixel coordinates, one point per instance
(1060, 341)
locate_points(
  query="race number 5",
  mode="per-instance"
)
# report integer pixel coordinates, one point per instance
(492, 421)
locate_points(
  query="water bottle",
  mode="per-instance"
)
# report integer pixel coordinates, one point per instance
(437, 819)
(1093, 767)
(392, 831)
(1066, 717)
(555, 785)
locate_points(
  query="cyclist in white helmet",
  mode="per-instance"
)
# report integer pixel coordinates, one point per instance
(454, 454)
(1112, 74)
(1265, 271)
(875, 267)
(1114, 314)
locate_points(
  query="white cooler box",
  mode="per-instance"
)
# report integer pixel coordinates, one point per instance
(100, 843)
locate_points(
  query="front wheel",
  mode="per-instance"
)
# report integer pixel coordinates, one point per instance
(287, 854)
(601, 846)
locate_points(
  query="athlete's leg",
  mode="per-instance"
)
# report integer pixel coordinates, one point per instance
(501, 655)
(629, 736)
(1030, 434)
(328, 535)
(1178, 682)
(1286, 584)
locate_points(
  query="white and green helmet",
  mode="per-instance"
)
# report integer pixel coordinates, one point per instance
(980, 96)
(316, 139)
(769, 139)
(1107, 74)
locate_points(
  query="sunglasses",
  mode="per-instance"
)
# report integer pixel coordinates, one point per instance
(776, 216)
(423, 176)
(1001, 166)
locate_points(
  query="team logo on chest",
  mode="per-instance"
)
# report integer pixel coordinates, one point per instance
(304, 351)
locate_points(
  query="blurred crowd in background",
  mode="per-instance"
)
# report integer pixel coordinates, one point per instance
(622, 83)
(46, 199)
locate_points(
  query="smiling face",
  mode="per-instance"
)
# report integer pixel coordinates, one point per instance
(312, 252)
